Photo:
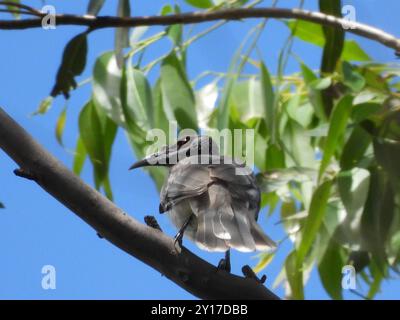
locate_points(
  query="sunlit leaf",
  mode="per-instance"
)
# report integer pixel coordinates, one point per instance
(203, 4)
(206, 98)
(353, 188)
(337, 126)
(44, 106)
(315, 216)
(79, 157)
(265, 260)
(312, 33)
(302, 114)
(294, 276)
(91, 134)
(315, 96)
(107, 87)
(60, 125)
(268, 100)
(139, 100)
(177, 95)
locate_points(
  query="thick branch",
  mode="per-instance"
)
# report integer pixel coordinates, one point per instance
(145, 243)
(197, 17)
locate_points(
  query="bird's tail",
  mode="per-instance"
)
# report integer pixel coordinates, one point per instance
(222, 225)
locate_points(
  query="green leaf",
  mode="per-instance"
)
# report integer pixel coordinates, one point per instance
(321, 84)
(365, 110)
(378, 276)
(353, 52)
(160, 118)
(378, 216)
(268, 101)
(312, 33)
(387, 153)
(175, 31)
(330, 270)
(353, 188)
(203, 4)
(91, 134)
(294, 276)
(355, 148)
(139, 100)
(94, 7)
(72, 65)
(44, 106)
(60, 126)
(246, 98)
(79, 157)
(122, 34)
(351, 78)
(314, 219)
(11, 7)
(107, 87)
(337, 126)
(265, 260)
(302, 114)
(177, 95)
(315, 96)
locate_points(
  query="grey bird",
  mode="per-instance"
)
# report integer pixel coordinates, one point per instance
(206, 198)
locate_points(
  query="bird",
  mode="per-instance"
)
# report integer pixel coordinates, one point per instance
(212, 199)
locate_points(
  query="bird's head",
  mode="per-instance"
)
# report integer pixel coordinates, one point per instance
(186, 146)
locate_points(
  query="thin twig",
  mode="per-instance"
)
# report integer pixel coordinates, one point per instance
(357, 28)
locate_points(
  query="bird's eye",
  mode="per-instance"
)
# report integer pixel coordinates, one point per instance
(183, 141)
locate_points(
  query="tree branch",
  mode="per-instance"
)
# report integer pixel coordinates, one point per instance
(144, 243)
(197, 17)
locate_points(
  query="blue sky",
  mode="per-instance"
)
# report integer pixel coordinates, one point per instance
(35, 230)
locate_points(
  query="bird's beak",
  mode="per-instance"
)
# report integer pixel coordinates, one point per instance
(138, 164)
(161, 158)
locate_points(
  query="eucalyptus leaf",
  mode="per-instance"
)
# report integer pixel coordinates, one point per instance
(94, 7)
(330, 270)
(60, 125)
(73, 63)
(338, 122)
(177, 95)
(107, 87)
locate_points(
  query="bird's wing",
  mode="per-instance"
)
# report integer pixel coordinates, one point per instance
(234, 202)
(185, 180)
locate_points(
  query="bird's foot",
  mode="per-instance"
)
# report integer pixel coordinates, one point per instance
(249, 273)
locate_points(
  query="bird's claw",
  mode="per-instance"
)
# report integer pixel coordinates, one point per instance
(249, 273)
(223, 265)
(178, 239)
